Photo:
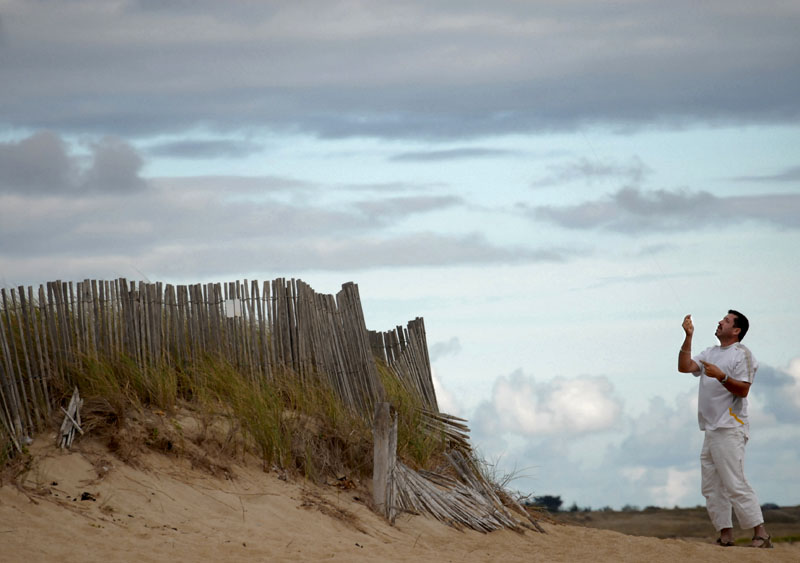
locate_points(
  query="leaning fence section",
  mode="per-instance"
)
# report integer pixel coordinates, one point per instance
(406, 351)
(262, 329)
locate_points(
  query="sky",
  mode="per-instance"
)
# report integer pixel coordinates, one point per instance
(551, 185)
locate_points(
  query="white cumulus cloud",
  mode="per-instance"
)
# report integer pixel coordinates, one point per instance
(446, 400)
(793, 391)
(561, 405)
(677, 488)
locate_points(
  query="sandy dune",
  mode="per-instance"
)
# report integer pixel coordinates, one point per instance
(164, 510)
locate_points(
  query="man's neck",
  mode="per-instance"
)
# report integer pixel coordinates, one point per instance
(727, 343)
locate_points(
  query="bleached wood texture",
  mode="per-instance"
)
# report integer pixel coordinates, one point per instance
(384, 433)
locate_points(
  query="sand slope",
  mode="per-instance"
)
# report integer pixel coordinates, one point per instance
(164, 510)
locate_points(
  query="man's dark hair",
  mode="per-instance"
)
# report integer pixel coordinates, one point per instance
(740, 322)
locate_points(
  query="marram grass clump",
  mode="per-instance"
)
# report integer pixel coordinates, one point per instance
(290, 422)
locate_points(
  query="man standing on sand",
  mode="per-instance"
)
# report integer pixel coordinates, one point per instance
(726, 373)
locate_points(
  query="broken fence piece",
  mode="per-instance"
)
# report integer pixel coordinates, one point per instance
(72, 420)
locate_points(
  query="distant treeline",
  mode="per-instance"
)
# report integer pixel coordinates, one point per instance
(553, 503)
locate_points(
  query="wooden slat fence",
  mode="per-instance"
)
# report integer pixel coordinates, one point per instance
(262, 329)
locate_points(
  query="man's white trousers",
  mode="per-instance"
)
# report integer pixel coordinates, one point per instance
(723, 481)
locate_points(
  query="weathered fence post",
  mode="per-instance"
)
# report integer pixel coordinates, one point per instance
(384, 432)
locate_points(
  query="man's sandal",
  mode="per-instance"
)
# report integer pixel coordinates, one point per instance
(724, 543)
(765, 542)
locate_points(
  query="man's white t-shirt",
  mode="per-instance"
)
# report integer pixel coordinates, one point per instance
(716, 406)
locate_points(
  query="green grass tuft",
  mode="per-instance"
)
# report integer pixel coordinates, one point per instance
(293, 423)
(786, 539)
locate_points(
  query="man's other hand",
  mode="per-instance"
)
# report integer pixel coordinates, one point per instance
(712, 370)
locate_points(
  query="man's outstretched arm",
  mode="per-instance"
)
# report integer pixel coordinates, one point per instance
(685, 362)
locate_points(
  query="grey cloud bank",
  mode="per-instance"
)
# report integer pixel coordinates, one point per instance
(204, 149)
(632, 210)
(90, 199)
(450, 154)
(96, 209)
(592, 170)
(791, 174)
(410, 70)
(42, 164)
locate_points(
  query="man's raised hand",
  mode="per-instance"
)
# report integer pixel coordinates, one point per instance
(688, 327)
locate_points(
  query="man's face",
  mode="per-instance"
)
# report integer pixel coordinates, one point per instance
(725, 329)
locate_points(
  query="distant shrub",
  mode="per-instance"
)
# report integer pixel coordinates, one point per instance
(550, 502)
(769, 506)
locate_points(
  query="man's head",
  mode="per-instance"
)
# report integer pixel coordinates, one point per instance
(732, 328)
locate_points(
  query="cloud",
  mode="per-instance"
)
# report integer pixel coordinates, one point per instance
(779, 390)
(97, 211)
(562, 406)
(115, 167)
(631, 210)
(42, 164)
(367, 252)
(647, 459)
(451, 154)
(678, 485)
(236, 186)
(447, 348)
(392, 187)
(38, 163)
(161, 219)
(444, 398)
(662, 486)
(791, 174)
(204, 149)
(658, 437)
(650, 278)
(417, 70)
(590, 171)
(164, 250)
(407, 205)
